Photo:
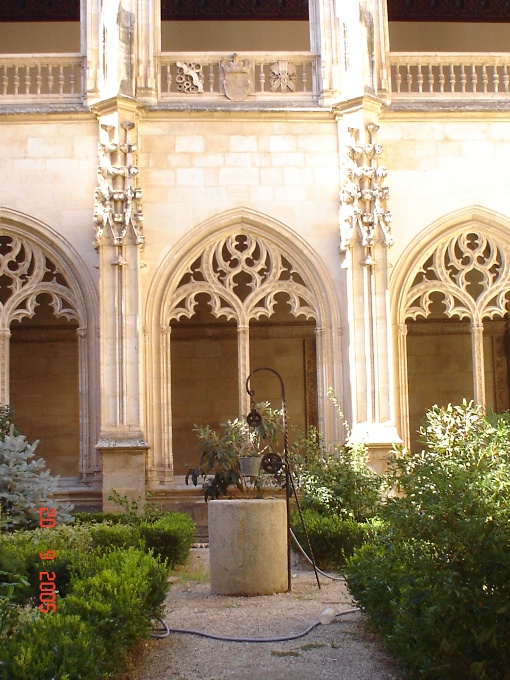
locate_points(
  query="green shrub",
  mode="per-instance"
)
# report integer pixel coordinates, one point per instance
(437, 581)
(332, 538)
(68, 541)
(111, 601)
(56, 645)
(337, 481)
(148, 571)
(110, 537)
(170, 537)
(97, 517)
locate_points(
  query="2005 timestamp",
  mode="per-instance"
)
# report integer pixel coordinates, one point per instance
(47, 584)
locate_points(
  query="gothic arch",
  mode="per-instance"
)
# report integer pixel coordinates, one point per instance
(465, 258)
(274, 259)
(36, 260)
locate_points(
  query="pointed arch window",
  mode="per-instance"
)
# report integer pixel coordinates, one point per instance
(242, 274)
(470, 273)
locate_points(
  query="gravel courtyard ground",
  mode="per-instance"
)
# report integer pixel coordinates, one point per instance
(341, 650)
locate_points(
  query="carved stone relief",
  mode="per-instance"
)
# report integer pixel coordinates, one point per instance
(364, 214)
(237, 78)
(190, 78)
(469, 274)
(26, 273)
(472, 274)
(117, 199)
(282, 76)
(242, 274)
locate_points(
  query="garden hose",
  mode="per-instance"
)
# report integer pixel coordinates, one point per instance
(323, 573)
(327, 616)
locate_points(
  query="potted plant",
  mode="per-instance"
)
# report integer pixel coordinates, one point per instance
(230, 459)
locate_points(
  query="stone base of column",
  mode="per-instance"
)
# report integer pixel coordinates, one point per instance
(158, 476)
(379, 438)
(124, 463)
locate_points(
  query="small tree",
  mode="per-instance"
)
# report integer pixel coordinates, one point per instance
(25, 485)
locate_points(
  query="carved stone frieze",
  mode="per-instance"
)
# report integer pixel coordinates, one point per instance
(282, 76)
(118, 211)
(27, 273)
(364, 214)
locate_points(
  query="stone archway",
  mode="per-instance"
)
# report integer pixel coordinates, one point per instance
(454, 294)
(240, 266)
(44, 326)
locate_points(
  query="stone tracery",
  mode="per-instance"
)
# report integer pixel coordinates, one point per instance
(27, 272)
(242, 274)
(472, 274)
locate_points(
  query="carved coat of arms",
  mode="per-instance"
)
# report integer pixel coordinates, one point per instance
(236, 78)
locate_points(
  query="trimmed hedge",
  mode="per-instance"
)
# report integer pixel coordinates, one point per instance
(112, 580)
(333, 539)
(170, 537)
(112, 599)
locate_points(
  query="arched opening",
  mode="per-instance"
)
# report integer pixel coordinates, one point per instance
(44, 386)
(244, 273)
(454, 325)
(240, 305)
(286, 344)
(204, 378)
(45, 348)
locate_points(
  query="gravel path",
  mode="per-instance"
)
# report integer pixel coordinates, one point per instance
(341, 650)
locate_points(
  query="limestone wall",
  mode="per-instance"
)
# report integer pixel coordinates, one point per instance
(198, 166)
(44, 396)
(439, 163)
(235, 36)
(49, 171)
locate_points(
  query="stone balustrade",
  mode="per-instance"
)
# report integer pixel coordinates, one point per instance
(250, 76)
(52, 78)
(276, 77)
(449, 75)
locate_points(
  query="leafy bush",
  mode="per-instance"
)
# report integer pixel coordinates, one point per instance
(220, 452)
(112, 599)
(25, 486)
(332, 538)
(107, 537)
(339, 482)
(54, 645)
(170, 537)
(437, 581)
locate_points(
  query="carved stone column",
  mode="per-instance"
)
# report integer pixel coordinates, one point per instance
(160, 462)
(5, 337)
(351, 39)
(403, 382)
(365, 237)
(243, 367)
(119, 239)
(478, 363)
(117, 48)
(148, 45)
(90, 45)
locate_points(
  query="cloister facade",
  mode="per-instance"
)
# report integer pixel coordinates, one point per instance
(187, 196)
